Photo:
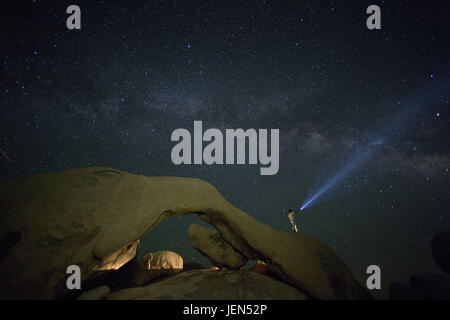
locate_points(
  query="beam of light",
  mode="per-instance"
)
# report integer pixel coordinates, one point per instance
(5, 155)
(350, 165)
(395, 127)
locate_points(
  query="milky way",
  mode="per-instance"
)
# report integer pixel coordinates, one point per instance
(392, 131)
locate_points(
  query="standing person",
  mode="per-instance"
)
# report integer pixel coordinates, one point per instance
(292, 220)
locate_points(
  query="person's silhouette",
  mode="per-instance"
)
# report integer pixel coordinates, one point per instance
(292, 220)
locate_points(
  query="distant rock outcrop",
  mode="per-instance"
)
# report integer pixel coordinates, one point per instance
(91, 216)
(211, 285)
(440, 248)
(428, 286)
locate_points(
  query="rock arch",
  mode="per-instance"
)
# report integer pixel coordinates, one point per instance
(81, 216)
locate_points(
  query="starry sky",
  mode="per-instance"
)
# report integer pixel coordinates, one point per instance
(111, 94)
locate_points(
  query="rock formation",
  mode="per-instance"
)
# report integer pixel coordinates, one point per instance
(118, 258)
(211, 244)
(154, 265)
(440, 248)
(95, 294)
(135, 273)
(86, 216)
(428, 286)
(212, 284)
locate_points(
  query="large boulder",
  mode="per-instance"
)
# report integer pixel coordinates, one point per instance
(82, 216)
(440, 248)
(137, 273)
(211, 244)
(210, 285)
(161, 260)
(154, 265)
(120, 257)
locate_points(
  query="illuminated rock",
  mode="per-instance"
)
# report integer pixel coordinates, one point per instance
(161, 260)
(154, 265)
(260, 267)
(82, 216)
(118, 258)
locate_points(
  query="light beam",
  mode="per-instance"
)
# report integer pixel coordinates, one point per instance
(399, 124)
(351, 165)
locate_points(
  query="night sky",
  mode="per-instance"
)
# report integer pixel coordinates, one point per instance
(111, 94)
